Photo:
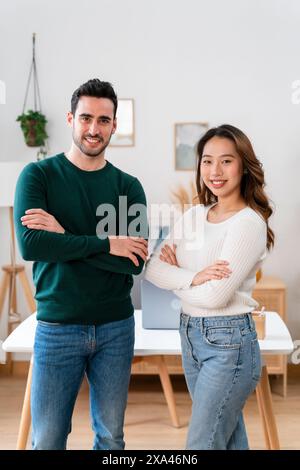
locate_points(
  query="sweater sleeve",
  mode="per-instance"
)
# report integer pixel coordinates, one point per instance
(164, 275)
(137, 225)
(244, 246)
(40, 245)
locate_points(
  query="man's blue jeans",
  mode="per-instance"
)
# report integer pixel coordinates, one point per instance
(222, 366)
(63, 354)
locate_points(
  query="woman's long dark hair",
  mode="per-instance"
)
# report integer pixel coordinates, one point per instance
(253, 181)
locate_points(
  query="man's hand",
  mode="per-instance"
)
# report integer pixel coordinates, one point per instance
(38, 219)
(168, 255)
(129, 247)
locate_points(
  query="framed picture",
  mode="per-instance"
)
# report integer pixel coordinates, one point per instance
(187, 135)
(124, 135)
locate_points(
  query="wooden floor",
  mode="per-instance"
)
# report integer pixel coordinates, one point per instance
(147, 424)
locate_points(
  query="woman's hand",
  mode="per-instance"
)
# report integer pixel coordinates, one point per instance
(219, 270)
(38, 219)
(168, 255)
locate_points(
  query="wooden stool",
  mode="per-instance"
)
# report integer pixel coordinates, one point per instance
(8, 287)
(10, 272)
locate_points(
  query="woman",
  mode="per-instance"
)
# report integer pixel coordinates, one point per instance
(212, 269)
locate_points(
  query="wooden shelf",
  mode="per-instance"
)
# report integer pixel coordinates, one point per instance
(173, 363)
(270, 292)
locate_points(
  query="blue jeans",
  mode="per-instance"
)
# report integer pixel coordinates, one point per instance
(63, 354)
(222, 366)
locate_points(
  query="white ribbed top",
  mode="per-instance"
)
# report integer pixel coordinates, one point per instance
(240, 240)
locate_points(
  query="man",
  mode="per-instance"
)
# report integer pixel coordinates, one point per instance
(83, 279)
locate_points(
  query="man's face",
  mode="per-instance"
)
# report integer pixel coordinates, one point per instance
(93, 124)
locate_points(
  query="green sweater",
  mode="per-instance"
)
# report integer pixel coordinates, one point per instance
(76, 279)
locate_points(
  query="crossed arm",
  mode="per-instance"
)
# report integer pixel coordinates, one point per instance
(214, 286)
(42, 238)
(38, 219)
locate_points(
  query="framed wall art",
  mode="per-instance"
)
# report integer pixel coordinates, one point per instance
(124, 135)
(187, 135)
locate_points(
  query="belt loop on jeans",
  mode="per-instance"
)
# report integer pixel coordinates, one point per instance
(186, 324)
(184, 317)
(202, 324)
(251, 322)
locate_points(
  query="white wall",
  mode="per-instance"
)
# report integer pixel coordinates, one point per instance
(192, 60)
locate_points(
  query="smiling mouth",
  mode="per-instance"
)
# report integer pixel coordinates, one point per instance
(93, 140)
(218, 183)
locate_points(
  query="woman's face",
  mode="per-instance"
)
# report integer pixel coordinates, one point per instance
(221, 167)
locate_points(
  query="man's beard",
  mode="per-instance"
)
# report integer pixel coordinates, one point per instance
(88, 151)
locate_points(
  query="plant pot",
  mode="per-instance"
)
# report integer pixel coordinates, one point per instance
(31, 138)
(33, 125)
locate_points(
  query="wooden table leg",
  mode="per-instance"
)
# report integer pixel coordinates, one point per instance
(263, 420)
(265, 405)
(159, 362)
(284, 378)
(25, 417)
(166, 385)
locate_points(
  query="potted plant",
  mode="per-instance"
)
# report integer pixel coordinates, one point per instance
(33, 125)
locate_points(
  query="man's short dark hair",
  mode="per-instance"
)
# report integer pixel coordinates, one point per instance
(97, 89)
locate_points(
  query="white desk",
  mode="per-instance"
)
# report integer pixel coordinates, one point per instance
(152, 345)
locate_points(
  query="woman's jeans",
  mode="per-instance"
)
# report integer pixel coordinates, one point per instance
(222, 366)
(63, 354)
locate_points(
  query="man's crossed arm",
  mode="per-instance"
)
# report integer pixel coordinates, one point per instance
(120, 246)
(42, 238)
(128, 247)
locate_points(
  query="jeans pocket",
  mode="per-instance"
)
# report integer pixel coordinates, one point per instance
(256, 360)
(223, 337)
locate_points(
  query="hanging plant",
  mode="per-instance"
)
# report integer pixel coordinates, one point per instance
(33, 122)
(33, 125)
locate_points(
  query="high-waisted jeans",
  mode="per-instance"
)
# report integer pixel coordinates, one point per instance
(222, 366)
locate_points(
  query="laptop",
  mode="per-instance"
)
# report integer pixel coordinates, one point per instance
(160, 308)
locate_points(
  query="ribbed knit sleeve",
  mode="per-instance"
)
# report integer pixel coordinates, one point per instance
(243, 247)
